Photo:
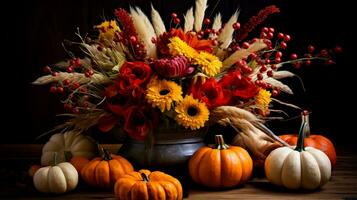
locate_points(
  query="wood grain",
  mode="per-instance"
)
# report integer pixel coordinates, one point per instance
(343, 184)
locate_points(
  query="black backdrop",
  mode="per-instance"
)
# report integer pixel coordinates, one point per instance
(35, 29)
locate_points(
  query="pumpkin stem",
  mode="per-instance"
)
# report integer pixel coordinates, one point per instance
(220, 142)
(106, 154)
(305, 118)
(54, 159)
(145, 177)
(300, 143)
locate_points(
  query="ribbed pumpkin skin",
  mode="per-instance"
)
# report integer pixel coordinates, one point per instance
(317, 141)
(221, 168)
(156, 186)
(104, 173)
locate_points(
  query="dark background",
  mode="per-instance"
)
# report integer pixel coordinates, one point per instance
(35, 29)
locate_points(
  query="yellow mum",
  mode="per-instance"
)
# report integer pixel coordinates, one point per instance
(209, 63)
(107, 30)
(262, 101)
(162, 93)
(191, 113)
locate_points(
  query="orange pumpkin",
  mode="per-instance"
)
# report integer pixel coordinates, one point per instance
(33, 169)
(147, 185)
(79, 162)
(221, 165)
(317, 141)
(105, 171)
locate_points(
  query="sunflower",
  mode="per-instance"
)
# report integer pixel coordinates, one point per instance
(162, 93)
(191, 113)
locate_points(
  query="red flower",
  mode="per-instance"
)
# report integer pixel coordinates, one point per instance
(137, 72)
(139, 121)
(240, 86)
(211, 93)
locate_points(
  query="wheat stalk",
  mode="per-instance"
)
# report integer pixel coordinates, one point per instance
(157, 22)
(189, 20)
(200, 9)
(278, 84)
(145, 30)
(77, 77)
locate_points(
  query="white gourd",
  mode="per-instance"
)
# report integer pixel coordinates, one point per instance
(56, 179)
(70, 142)
(307, 168)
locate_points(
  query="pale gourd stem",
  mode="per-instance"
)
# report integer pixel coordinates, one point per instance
(220, 144)
(305, 118)
(145, 177)
(300, 143)
(55, 159)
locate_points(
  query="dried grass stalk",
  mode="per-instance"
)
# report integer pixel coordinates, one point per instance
(200, 9)
(78, 77)
(189, 20)
(157, 22)
(225, 37)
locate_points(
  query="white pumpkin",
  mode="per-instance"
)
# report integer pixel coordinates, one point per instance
(307, 168)
(72, 143)
(57, 179)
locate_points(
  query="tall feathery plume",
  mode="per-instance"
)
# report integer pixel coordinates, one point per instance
(128, 31)
(157, 22)
(255, 21)
(225, 37)
(145, 30)
(200, 8)
(217, 24)
(189, 20)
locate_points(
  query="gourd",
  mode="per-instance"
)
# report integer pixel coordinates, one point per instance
(104, 171)
(66, 146)
(58, 178)
(318, 141)
(79, 162)
(307, 168)
(221, 165)
(148, 185)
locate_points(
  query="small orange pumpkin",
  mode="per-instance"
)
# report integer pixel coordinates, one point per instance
(317, 141)
(147, 185)
(221, 165)
(105, 171)
(79, 162)
(33, 169)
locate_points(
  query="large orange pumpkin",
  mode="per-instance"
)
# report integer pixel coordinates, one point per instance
(79, 162)
(317, 141)
(220, 166)
(145, 185)
(105, 171)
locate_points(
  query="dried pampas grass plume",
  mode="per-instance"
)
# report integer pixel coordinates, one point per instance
(189, 20)
(78, 77)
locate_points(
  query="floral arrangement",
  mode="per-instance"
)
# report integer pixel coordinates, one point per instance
(139, 74)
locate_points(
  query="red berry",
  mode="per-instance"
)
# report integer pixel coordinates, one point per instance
(215, 42)
(245, 45)
(274, 67)
(207, 21)
(47, 69)
(60, 90)
(54, 73)
(246, 69)
(265, 30)
(75, 85)
(324, 53)
(77, 62)
(305, 112)
(277, 60)
(208, 31)
(293, 56)
(258, 82)
(254, 40)
(267, 60)
(200, 33)
(263, 68)
(75, 110)
(270, 35)
(268, 42)
(297, 65)
(133, 39)
(86, 74)
(330, 62)
(310, 49)
(173, 15)
(270, 73)
(287, 38)
(271, 29)
(308, 62)
(67, 106)
(275, 93)
(66, 82)
(278, 54)
(338, 49)
(177, 20)
(283, 45)
(153, 40)
(280, 35)
(236, 26)
(268, 86)
(253, 56)
(53, 89)
(267, 55)
(70, 69)
(260, 76)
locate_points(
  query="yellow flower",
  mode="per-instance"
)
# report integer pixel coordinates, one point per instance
(191, 113)
(262, 101)
(162, 93)
(209, 63)
(107, 30)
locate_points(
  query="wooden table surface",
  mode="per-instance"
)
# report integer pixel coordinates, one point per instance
(343, 184)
